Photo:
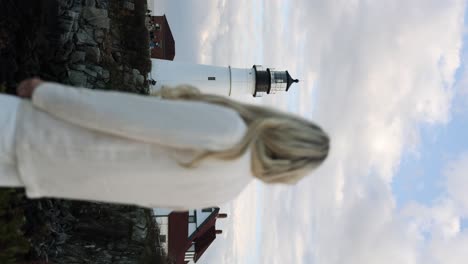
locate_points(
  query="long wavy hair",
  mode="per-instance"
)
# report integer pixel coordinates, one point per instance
(284, 147)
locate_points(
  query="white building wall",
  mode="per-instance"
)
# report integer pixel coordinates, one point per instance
(242, 82)
(191, 228)
(163, 224)
(162, 211)
(209, 79)
(202, 216)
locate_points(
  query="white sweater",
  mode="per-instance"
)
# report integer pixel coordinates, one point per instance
(126, 148)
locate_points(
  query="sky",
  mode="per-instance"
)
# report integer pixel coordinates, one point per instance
(389, 83)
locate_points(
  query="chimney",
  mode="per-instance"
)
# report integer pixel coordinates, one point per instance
(222, 216)
(219, 232)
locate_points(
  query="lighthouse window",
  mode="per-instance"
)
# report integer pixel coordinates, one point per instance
(280, 77)
(211, 78)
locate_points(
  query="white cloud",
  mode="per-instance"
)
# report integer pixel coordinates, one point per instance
(381, 70)
(372, 72)
(457, 182)
(438, 226)
(238, 239)
(451, 251)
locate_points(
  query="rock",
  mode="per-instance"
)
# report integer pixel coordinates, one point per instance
(65, 37)
(117, 56)
(77, 78)
(137, 77)
(66, 50)
(140, 79)
(105, 75)
(89, 29)
(114, 31)
(93, 54)
(100, 85)
(75, 26)
(78, 67)
(96, 17)
(97, 69)
(128, 78)
(102, 4)
(129, 5)
(65, 5)
(67, 24)
(140, 229)
(99, 35)
(91, 81)
(78, 56)
(90, 72)
(116, 42)
(84, 38)
(75, 4)
(90, 3)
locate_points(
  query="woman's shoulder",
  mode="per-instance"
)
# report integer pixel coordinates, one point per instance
(222, 127)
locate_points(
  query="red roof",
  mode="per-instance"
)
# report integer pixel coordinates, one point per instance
(203, 242)
(180, 242)
(204, 235)
(170, 43)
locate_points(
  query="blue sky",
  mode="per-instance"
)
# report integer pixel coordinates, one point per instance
(386, 80)
(420, 175)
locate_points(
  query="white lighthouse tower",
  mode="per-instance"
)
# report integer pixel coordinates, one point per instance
(227, 81)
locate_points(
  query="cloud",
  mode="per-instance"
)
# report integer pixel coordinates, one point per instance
(213, 32)
(372, 72)
(238, 239)
(452, 251)
(457, 182)
(379, 71)
(438, 225)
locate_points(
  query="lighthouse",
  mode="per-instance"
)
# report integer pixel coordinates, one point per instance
(227, 81)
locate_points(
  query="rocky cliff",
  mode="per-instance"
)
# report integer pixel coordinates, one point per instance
(99, 44)
(103, 44)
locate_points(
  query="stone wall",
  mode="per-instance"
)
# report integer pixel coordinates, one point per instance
(93, 45)
(98, 233)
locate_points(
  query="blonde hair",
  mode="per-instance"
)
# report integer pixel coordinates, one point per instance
(284, 147)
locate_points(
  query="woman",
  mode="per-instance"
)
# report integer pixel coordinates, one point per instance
(189, 151)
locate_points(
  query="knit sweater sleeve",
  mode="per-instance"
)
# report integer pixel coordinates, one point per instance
(179, 124)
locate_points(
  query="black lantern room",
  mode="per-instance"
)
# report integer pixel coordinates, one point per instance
(270, 81)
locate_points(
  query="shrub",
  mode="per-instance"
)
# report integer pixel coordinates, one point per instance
(13, 245)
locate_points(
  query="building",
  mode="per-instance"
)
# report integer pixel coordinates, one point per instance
(227, 81)
(185, 236)
(162, 44)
